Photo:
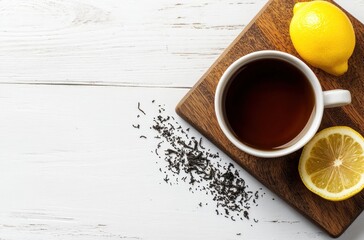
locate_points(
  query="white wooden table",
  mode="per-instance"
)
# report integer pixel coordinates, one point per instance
(74, 163)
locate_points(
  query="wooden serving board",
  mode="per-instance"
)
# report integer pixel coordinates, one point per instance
(269, 30)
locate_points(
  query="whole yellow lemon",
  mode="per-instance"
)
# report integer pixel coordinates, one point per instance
(322, 35)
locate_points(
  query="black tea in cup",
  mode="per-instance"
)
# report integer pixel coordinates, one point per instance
(268, 102)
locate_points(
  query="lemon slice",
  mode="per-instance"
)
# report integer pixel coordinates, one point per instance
(332, 163)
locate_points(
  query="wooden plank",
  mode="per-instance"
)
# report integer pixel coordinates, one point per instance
(72, 167)
(159, 43)
(269, 30)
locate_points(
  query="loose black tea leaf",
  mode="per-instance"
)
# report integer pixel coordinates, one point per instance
(185, 158)
(140, 108)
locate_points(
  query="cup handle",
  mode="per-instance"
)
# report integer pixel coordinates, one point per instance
(336, 98)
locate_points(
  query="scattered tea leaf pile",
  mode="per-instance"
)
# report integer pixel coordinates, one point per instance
(186, 160)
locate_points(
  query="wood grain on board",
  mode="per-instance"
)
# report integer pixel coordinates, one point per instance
(269, 30)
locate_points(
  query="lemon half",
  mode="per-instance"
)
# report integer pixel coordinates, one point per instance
(332, 163)
(323, 35)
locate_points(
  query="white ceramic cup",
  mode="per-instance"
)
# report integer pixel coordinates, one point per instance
(323, 99)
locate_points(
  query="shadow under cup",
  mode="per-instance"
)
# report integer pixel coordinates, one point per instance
(267, 105)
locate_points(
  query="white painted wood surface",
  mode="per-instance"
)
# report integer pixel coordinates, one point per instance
(71, 164)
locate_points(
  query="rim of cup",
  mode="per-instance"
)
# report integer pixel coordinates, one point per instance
(310, 128)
